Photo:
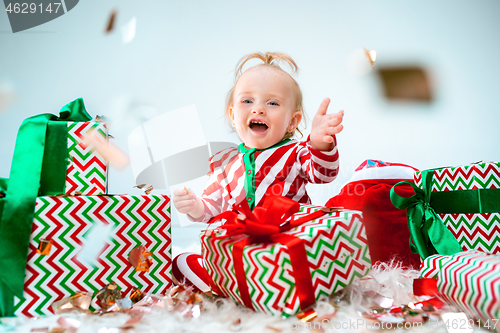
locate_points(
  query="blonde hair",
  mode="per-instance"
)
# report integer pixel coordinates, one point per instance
(271, 60)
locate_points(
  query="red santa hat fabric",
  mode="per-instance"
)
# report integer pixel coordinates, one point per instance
(386, 226)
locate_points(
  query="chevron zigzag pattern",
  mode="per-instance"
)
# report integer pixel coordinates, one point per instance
(475, 231)
(467, 177)
(336, 247)
(431, 266)
(479, 231)
(87, 169)
(135, 220)
(470, 281)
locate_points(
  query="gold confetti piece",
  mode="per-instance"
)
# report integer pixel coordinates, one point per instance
(307, 315)
(44, 246)
(371, 55)
(40, 330)
(147, 188)
(136, 295)
(111, 22)
(108, 295)
(185, 189)
(80, 301)
(138, 258)
(331, 209)
(112, 153)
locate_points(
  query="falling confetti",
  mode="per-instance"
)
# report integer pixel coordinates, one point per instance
(7, 95)
(111, 22)
(371, 56)
(128, 31)
(44, 246)
(116, 157)
(94, 243)
(147, 188)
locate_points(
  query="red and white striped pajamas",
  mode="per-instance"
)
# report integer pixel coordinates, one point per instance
(248, 174)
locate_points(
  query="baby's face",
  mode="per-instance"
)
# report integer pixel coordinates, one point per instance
(263, 108)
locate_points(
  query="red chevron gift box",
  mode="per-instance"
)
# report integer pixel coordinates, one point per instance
(65, 229)
(469, 280)
(280, 261)
(454, 209)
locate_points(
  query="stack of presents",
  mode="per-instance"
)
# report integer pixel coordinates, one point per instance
(278, 259)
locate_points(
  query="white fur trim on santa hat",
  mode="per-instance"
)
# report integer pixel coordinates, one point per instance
(386, 172)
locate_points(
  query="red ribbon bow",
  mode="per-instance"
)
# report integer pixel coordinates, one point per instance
(266, 223)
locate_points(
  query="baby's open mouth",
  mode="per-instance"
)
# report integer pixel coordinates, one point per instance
(258, 126)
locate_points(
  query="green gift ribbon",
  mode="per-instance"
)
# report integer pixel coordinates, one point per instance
(39, 165)
(428, 234)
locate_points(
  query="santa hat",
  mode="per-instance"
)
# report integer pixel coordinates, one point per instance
(386, 226)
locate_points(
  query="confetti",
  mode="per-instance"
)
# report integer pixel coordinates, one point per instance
(186, 189)
(128, 31)
(332, 209)
(7, 95)
(138, 258)
(307, 315)
(80, 301)
(112, 153)
(371, 55)
(44, 246)
(95, 242)
(147, 188)
(136, 295)
(108, 295)
(111, 22)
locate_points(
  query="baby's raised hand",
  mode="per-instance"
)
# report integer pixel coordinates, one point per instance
(325, 126)
(186, 202)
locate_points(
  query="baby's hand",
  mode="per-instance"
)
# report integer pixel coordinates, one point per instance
(186, 202)
(325, 126)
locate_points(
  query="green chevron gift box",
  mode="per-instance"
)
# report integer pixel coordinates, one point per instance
(469, 280)
(82, 243)
(454, 209)
(86, 170)
(288, 260)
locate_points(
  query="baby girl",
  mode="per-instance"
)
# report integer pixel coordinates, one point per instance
(265, 108)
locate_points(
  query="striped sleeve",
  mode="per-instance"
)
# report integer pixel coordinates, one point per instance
(318, 167)
(211, 198)
(213, 195)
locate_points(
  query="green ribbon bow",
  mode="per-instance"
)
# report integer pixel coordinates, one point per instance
(38, 166)
(428, 234)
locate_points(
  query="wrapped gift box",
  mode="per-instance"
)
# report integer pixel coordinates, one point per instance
(336, 249)
(469, 280)
(472, 228)
(66, 221)
(87, 169)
